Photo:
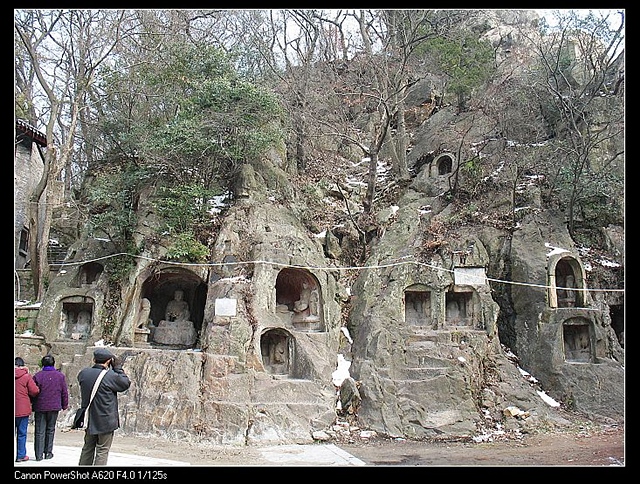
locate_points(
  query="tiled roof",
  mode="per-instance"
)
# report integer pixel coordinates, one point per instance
(25, 129)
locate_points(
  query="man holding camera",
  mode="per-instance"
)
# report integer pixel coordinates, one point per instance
(102, 417)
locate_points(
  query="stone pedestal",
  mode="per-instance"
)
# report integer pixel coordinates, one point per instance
(141, 338)
(309, 323)
(175, 333)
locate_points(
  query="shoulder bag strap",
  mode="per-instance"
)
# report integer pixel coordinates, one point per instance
(95, 385)
(93, 392)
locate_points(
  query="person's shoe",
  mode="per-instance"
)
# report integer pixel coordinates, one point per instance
(48, 456)
(23, 459)
(38, 457)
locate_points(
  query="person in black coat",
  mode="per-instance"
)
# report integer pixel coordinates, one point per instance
(101, 418)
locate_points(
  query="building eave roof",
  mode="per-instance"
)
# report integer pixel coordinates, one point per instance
(25, 130)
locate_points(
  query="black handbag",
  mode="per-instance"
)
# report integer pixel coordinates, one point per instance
(78, 419)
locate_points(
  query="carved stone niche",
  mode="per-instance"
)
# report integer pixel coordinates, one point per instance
(298, 300)
(176, 329)
(276, 348)
(76, 318)
(88, 274)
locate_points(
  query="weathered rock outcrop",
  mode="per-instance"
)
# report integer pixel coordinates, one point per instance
(260, 372)
(425, 323)
(448, 290)
(443, 377)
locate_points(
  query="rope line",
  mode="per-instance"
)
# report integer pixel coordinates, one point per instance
(330, 268)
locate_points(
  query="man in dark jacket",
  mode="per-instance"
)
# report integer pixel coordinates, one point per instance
(53, 397)
(102, 417)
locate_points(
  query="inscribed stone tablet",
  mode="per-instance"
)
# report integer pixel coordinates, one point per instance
(226, 307)
(470, 276)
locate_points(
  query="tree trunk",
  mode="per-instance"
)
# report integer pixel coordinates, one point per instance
(400, 144)
(37, 216)
(371, 181)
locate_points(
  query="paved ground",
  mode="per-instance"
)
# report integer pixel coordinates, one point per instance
(590, 445)
(68, 457)
(280, 455)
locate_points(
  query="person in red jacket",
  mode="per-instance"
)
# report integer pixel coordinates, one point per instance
(25, 389)
(53, 397)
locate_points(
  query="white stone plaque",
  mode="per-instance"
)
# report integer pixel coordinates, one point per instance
(226, 307)
(470, 276)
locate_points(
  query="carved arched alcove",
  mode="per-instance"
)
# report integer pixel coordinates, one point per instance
(88, 274)
(463, 307)
(160, 289)
(566, 282)
(277, 350)
(76, 318)
(299, 299)
(577, 341)
(418, 306)
(444, 164)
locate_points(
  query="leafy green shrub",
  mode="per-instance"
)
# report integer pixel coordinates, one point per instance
(467, 61)
(185, 248)
(113, 201)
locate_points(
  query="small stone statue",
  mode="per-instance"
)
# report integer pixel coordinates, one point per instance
(144, 325)
(303, 303)
(177, 308)
(83, 322)
(144, 321)
(306, 308)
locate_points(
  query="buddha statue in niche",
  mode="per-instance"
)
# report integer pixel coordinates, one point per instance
(83, 325)
(176, 328)
(306, 308)
(177, 308)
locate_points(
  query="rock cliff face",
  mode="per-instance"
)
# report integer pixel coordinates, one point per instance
(422, 333)
(429, 322)
(261, 370)
(446, 374)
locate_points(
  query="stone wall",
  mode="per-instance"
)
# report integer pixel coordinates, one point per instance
(28, 167)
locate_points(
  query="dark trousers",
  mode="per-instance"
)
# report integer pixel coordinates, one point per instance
(95, 450)
(44, 432)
